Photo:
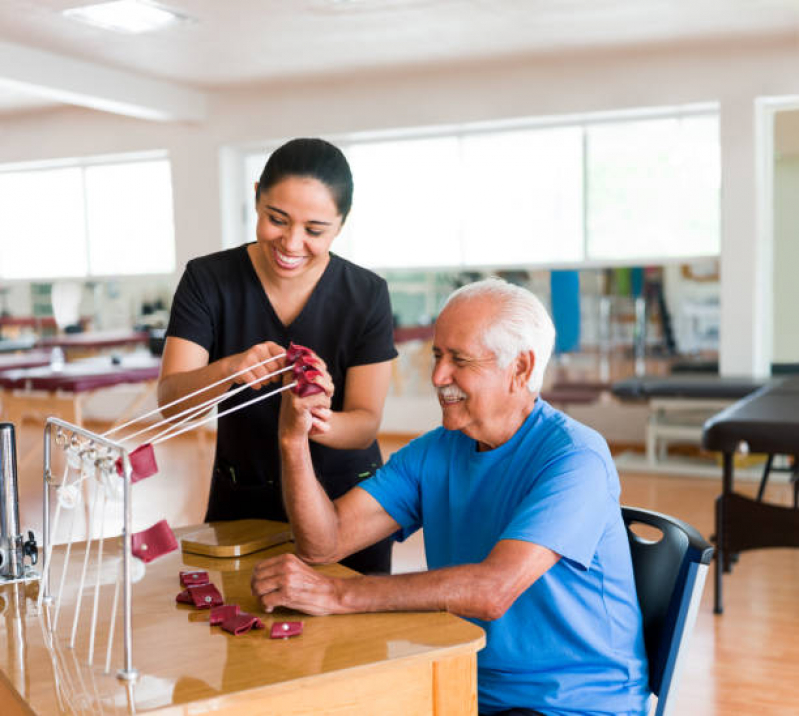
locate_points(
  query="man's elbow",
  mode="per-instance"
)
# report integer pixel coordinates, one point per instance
(492, 604)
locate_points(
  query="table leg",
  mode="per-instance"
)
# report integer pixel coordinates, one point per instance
(722, 558)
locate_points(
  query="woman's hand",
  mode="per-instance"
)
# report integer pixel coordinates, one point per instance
(260, 374)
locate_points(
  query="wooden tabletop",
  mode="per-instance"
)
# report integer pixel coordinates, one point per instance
(398, 662)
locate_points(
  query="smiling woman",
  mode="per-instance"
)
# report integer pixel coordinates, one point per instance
(237, 308)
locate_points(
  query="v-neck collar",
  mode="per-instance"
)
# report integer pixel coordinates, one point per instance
(265, 296)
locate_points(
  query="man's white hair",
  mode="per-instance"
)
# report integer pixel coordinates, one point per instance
(522, 324)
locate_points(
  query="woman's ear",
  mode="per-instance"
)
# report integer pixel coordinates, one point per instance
(257, 195)
(523, 371)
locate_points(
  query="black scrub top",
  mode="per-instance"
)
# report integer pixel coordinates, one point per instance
(221, 305)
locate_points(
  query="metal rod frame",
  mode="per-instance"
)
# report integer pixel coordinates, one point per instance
(127, 673)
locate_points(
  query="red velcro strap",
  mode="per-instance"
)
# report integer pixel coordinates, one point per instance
(142, 463)
(223, 613)
(153, 542)
(304, 373)
(295, 351)
(192, 579)
(203, 596)
(242, 623)
(283, 630)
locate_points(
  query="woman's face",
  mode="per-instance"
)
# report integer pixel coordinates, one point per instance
(297, 222)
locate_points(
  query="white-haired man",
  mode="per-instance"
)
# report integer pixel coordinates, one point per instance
(520, 509)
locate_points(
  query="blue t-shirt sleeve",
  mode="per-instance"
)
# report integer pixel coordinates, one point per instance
(397, 487)
(566, 508)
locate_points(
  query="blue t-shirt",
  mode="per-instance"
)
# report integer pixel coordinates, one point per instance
(572, 643)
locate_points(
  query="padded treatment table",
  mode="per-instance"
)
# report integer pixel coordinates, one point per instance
(78, 345)
(768, 422)
(45, 391)
(679, 404)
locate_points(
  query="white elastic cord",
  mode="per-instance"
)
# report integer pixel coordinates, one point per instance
(79, 597)
(194, 410)
(97, 581)
(191, 395)
(197, 424)
(64, 567)
(113, 623)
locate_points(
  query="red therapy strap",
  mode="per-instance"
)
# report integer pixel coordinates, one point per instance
(295, 351)
(153, 542)
(283, 630)
(223, 613)
(304, 374)
(203, 596)
(192, 579)
(142, 463)
(242, 623)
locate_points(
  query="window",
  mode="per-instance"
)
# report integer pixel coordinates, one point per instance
(653, 188)
(600, 191)
(93, 218)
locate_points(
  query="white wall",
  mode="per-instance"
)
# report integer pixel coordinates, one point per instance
(733, 74)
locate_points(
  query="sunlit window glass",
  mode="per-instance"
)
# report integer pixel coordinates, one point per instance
(653, 188)
(406, 208)
(523, 196)
(130, 224)
(42, 224)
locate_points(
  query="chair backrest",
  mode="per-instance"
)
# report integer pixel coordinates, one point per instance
(670, 575)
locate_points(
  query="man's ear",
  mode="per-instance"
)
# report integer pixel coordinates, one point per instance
(523, 370)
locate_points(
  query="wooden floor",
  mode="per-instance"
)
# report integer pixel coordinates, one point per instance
(744, 662)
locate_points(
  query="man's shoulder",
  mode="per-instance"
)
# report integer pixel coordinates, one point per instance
(559, 435)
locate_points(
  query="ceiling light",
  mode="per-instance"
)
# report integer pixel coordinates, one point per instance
(132, 16)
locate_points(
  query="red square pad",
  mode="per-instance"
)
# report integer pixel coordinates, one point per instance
(223, 613)
(242, 623)
(153, 542)
(192, 579)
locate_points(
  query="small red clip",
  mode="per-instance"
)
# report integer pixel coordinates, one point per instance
(142, 463)
(153, 542)
(192, 579)
(242, 623)
(283, 630)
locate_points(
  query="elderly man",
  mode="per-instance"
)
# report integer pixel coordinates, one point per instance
(520, 509)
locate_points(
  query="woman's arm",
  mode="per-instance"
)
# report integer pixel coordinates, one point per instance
(356, 425)
(185, 369)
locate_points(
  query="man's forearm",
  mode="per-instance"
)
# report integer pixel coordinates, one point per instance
(468, 590)
(312, 515)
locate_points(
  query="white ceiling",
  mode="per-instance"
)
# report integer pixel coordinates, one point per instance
(233, 42)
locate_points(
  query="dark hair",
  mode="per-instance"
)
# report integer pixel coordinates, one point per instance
(313, 158)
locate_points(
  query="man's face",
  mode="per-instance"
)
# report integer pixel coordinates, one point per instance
(473, 391)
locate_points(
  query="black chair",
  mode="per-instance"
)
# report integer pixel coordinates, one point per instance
(670, 574)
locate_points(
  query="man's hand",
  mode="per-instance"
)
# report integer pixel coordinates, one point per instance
(302, 417)
(286, 581)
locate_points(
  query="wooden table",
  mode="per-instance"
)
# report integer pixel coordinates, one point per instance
(393, 664)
